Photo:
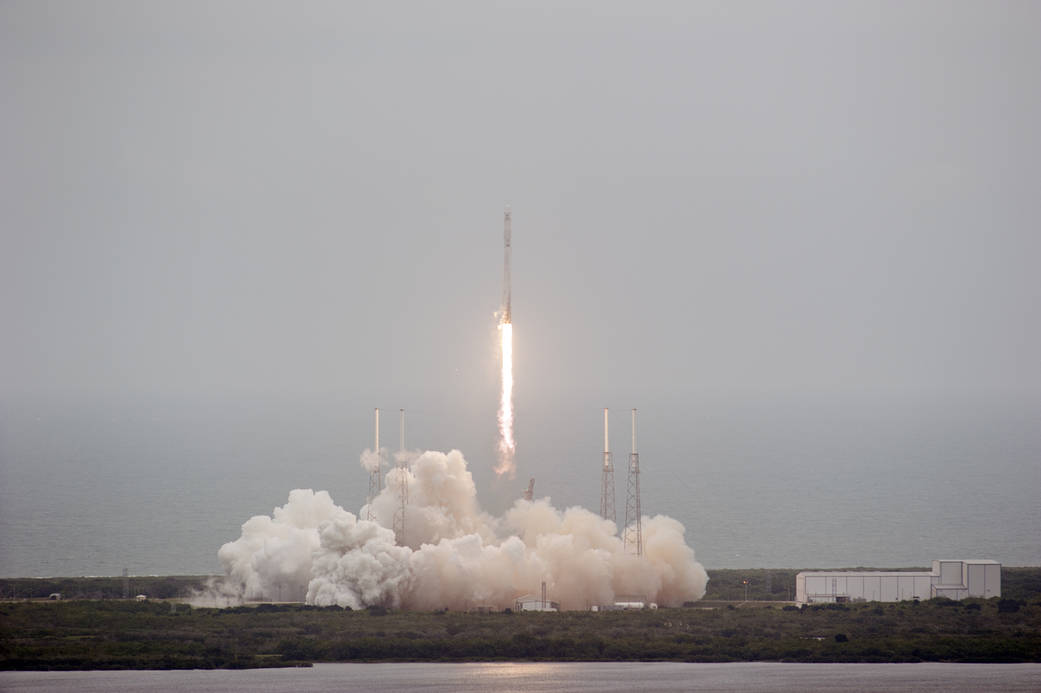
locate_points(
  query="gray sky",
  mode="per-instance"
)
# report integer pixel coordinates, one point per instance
(256, 198)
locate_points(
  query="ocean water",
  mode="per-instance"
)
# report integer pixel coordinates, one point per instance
(157, 485)
(501, 677)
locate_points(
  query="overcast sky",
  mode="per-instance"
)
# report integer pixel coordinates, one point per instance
(249, 198)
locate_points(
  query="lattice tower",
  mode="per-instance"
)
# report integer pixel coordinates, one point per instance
(632, 539)
(399, 514)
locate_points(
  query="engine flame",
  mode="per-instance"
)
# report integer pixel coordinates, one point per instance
(507, 446)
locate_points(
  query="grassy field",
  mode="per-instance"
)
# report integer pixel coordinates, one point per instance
(115, 633)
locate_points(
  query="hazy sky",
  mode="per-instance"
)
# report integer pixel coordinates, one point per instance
(253, 198)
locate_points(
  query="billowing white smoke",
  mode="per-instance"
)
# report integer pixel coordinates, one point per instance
(371, 459)
(454, 555)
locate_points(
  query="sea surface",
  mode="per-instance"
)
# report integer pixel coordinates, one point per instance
(531, 676)
(157, 485)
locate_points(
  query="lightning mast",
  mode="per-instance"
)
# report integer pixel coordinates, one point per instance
(607, 480)
(507, 232)
(376, 475)
(399, 516)
(632, 538)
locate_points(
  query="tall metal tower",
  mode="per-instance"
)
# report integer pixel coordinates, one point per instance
(607, 480)
(632, 538)
(399, 515)
(376, 475)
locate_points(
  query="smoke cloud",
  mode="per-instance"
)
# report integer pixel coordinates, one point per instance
(372, 459)
(453, 554)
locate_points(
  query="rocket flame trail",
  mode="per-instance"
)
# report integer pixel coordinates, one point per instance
(507, 447)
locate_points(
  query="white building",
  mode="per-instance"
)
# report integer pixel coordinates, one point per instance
(530, 602)
(629, 604)
(955, 579)
(626, 604)
(961, 579)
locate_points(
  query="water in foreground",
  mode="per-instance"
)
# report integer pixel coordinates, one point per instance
(530, 676)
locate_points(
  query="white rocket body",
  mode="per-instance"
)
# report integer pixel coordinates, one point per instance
(506, 316)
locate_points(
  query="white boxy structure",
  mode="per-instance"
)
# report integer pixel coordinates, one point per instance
(532, 603)
(954, 579)
(961, 579)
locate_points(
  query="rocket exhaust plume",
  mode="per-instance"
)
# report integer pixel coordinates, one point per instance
(507, 445)
(457, 556)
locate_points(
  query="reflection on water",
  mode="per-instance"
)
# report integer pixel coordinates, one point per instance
(504, 677)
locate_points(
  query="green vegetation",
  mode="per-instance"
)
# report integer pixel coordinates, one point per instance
(115, 633)
(1023, 584)
(764, 584)
(154, 586)
(126, 634)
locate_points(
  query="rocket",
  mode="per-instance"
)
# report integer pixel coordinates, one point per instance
(506, 316)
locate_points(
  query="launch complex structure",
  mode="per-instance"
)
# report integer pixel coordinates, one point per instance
(376, 477)
(376, 474)
(399, 514)
(607, 480)
(632, 530)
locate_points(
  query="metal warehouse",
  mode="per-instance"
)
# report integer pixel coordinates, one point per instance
(955, 579)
